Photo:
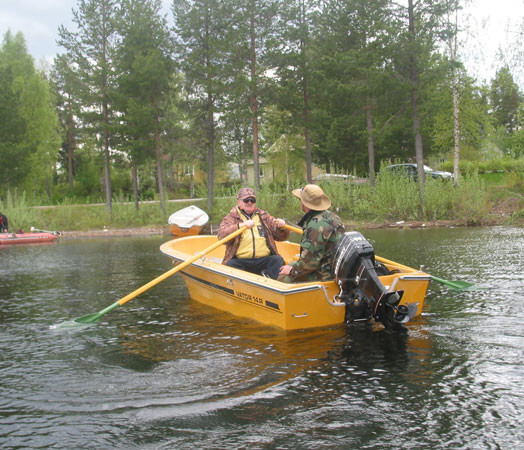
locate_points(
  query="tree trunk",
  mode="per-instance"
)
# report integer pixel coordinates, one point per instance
(254, 107)
(109, 193)
(288, 174)
(371, 146)
(414, 79)
(306, 114)
(456, 127)
(70, 143)
(135, 186)
(419, 153)
(456, 131)
(210, 155)
(210, 121)
(309, 163)
(47, 186)
(192, 183)
(159, 169)
(107, 162)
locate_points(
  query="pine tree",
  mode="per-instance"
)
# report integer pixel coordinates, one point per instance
(250, 29)
(90, 49)
(144, 68)
(294, 68)
(67, 87)
(199, 28)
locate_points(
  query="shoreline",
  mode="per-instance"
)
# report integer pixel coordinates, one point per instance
(160, 230)
(116, 232)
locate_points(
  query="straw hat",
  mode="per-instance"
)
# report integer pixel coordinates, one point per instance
(313, 197)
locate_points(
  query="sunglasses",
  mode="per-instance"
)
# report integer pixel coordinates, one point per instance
(250, 200)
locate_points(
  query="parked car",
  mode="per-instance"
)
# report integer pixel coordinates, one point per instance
(410, 171)
(334, 177)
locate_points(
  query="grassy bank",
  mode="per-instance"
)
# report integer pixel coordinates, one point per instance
(474, 201)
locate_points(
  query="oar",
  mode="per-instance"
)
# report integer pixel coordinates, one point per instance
(56, 233)
(455, 284)
(292, 228)
(93, 318)
(458, 285)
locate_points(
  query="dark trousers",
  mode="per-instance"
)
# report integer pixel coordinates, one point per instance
(269, 264)
(3, 224)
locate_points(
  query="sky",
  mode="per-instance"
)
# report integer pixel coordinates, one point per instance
(492, 23)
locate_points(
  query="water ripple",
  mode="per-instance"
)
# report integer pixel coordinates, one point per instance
(165, 372)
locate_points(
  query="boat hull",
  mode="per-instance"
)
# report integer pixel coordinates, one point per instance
(287, 306)
(187, 221)
(175, 230)
(26, 238)
(256, 297)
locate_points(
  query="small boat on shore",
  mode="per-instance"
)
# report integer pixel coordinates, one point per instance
(26, 238)
(187, 221)
(364, 287)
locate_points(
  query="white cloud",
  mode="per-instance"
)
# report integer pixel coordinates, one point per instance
(38, 21)
(490, 32)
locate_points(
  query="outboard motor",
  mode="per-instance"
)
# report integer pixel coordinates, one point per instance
(360, 288)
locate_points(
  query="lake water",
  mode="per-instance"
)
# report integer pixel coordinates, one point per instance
(165, 372)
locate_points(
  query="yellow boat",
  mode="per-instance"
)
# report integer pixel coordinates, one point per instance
(381, 289)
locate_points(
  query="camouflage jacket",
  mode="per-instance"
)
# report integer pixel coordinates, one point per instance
(322, 231)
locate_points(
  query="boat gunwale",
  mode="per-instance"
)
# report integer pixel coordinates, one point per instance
(206, 265)
(410, 273)
(407, 273)
(29, 238)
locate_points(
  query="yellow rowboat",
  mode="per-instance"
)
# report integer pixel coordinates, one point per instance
(187, 221)
(392, 295)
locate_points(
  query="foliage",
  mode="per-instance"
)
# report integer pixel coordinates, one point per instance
(18, 211)
(144, 67)
(344, 80)
(395, 198)
(506, 100)
(473, 114)
(90, 50)
(200, 28)
(29, 137)
(492, 165)
(70, 216)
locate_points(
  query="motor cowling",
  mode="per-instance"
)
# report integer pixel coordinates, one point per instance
(354, 268)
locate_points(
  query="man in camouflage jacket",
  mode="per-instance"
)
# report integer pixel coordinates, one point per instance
(322, 231)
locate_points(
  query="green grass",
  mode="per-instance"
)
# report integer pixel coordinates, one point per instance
(392, 199)
(493, 178)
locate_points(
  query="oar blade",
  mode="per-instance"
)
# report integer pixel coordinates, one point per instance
(454, 284)
(462, 284)
(90, 318)
(94, 318)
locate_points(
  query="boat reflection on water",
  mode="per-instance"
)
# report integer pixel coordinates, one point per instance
(368, 342)
(220, 354)
(204, 329)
